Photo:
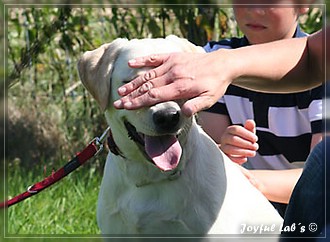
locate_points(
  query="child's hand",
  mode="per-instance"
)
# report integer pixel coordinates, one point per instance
(239, 142)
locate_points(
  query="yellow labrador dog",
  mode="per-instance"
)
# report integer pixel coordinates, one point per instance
(164, 174)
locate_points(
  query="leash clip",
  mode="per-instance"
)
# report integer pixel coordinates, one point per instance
(98, 141)
(31, 191)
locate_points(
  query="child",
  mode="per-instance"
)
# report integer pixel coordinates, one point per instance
(286, 126)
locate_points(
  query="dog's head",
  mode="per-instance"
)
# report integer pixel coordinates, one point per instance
(152, 133)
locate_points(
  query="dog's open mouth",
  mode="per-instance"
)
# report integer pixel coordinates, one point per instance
(164, 151)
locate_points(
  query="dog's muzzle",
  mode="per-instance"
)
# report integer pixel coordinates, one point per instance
(163, 149)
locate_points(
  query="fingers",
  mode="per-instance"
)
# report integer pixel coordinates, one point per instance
(251, 178)
(236, 154)
(238, 142)
(238, 160)
(151, 60)
(246, 172)
(143, 96)
(240, 137)
(194, 105)
(147, 96)
(141, 91)
(150, 76)
(133, 88)
(250, 125)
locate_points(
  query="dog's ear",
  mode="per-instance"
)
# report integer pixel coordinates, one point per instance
(95, 68)
(186, 45)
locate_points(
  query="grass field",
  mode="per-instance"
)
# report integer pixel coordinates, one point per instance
(68, 208)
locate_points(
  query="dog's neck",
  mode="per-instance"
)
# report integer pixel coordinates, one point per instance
(168, 176)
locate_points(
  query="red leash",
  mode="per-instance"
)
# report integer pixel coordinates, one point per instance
(93, 149)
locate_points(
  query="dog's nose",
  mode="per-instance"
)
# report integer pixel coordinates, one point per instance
(167, 119)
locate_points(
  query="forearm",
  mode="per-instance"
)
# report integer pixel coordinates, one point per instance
(277, 185)
(266, 67)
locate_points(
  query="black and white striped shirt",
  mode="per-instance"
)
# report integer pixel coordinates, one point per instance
(285, 123)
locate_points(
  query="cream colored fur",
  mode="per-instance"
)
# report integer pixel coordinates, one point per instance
(207, 193)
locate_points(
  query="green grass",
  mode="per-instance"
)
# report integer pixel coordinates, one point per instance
(66, 208)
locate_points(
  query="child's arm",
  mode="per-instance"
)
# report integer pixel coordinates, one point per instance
(281, 66)
(289, 65)
(276, 185)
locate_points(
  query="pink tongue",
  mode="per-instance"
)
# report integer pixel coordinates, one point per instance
(165, 151)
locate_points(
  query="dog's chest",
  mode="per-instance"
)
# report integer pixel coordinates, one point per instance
(148, 209)
(168, 206)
